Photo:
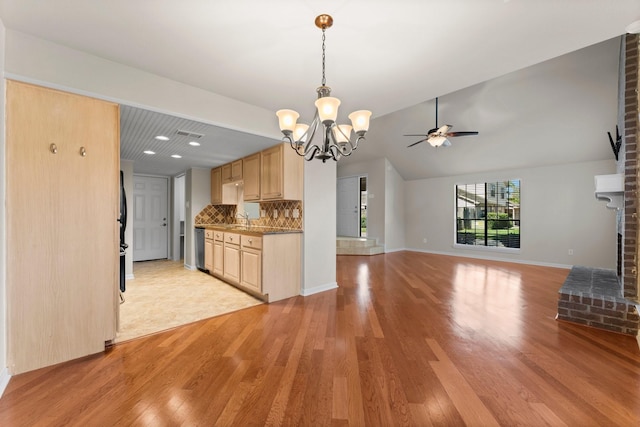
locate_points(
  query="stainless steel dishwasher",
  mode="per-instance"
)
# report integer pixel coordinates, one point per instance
(200, 249)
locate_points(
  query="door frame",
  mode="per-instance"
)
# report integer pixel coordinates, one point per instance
(359, 195)
(169, 209)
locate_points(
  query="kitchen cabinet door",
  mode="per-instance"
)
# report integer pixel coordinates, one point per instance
(282, 174)
(216, 186)
(226, 173)
(236, 170)
(63, 158)
(232, 263)
(208, 255)
(271, 176)
(231, 258)
(251, 177)
(251, 263)
(218, 258)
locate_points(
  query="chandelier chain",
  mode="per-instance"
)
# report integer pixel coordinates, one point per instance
(324, 80)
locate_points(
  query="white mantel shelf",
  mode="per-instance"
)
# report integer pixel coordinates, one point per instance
(611, 189)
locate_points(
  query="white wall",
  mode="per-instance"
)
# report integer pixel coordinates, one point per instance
(558, 212)
(376, 189)
(4, 374)
(319, 217)
(42, 62)
(394, 202)
(197, 196)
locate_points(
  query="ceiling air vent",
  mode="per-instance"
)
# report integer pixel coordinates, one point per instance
(189, 134)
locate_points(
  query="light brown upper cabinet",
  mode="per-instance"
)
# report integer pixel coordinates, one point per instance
(251, 176)
(216, 186)
(281, 176)
(63, 162)
(232, 171)
(226, 172)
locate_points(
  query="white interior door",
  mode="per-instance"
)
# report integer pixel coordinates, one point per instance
(150, 218)
(348, 206)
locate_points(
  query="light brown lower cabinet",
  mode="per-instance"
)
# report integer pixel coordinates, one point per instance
(218, 253)
(231, 259)
(251, 262)
(267, 266)
(208, 250)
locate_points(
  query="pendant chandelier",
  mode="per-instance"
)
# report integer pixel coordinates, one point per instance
(337, 140)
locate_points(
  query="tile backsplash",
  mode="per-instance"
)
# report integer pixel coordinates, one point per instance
(280, 214)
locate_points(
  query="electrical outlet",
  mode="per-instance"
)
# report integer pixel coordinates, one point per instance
(286, 213)
(275, 213)
(570, 251)
(296, 213)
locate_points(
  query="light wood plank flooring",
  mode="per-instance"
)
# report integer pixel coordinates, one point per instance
(408, 339)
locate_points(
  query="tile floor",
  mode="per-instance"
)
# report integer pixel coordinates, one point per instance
(164, 295)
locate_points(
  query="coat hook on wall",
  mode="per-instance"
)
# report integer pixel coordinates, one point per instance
(53, 148)
(615, 146)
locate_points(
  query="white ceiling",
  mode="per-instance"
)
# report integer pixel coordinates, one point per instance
(384, 56)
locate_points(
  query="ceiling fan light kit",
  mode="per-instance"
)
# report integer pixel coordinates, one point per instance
(438, 136)
(337, 140)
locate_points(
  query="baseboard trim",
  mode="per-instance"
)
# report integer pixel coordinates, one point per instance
(4, 380)
(129, 277)
(388, 251)
(190, 267)
(492, 258)
(318, 289)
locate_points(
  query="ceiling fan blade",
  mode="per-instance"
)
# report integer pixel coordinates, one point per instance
(462, 133)
(416, 143)
(443, 129)
(417, 134)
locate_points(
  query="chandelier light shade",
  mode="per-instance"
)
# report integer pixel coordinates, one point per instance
(335, 140)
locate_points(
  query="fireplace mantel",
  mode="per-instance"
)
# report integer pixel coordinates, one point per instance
(611, 189)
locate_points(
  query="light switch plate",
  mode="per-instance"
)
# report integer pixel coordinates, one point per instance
(296, 213)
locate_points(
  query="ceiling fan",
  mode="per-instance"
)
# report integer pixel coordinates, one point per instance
(438, 136)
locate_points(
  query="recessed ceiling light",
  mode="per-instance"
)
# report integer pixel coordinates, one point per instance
(176, 156)
(195, 144)
(162, 138)
(149, 152)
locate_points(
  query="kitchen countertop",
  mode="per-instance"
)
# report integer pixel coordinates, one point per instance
(256, 230)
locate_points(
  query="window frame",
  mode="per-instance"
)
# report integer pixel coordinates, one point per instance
(474, 247)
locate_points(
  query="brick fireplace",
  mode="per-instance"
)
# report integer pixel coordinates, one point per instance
(609, 299)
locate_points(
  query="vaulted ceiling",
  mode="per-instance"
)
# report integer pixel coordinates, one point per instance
(393, 58)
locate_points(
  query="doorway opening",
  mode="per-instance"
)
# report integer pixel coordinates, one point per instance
(363, 206)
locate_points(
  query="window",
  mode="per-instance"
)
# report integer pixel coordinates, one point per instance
(482, 219)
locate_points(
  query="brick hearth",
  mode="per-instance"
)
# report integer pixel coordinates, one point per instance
(593, 297)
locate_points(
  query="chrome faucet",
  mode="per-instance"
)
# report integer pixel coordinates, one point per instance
(245, 216)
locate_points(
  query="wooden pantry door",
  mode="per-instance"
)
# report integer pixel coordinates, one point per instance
(62, 235)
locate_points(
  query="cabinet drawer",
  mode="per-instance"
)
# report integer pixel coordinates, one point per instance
(231, 238)
(208, 234)
(251, 242)
(218, 235)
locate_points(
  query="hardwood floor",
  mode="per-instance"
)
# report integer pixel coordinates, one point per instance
(408, 339)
